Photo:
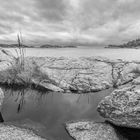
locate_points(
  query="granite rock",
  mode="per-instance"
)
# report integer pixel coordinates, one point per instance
(122, 107)
(88, 130)
(11, 132)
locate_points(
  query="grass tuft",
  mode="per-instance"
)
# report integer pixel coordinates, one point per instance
(22, 72)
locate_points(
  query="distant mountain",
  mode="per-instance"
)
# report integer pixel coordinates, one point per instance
(130, 44)
(57, 46)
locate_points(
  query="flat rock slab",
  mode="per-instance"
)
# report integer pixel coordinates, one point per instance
(85, 74)
(62, 74)
(87, 130)
(10, 132)
(122, 107)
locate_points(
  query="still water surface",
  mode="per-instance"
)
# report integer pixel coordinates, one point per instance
(127, 54)
(48, 113)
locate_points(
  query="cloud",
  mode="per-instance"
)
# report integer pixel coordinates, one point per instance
(70, 21)
(53, 10)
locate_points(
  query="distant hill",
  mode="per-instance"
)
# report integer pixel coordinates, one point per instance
(130, 44)
(57, 46)
(13, 46)
(42, 46)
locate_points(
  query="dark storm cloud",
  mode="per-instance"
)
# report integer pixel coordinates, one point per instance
(110, 20)
(83, 21)
(51, 9)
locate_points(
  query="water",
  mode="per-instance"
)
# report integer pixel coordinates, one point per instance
(49, 112)
(127, 54)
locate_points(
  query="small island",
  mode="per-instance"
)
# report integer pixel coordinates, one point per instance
(42, 46)
(57, 46)
(14, 46)
(131, 44)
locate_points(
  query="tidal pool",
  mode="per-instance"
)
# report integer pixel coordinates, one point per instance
(48, 112)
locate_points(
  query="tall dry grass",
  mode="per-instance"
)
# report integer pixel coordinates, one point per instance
(23, 72)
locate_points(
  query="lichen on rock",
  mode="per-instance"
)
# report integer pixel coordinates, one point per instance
(88, 130)
(11, 132)
(122, 107)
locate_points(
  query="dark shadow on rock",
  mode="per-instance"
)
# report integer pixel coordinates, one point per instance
(126, 133)
(21, 86)
(1, 118)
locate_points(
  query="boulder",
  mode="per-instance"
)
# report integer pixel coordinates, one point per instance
(122, 107)
(29, 124)
(11, 132)
(85, 74)
(88, 130)
(81, 74)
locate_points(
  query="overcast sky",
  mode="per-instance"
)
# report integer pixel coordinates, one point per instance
(72, 21)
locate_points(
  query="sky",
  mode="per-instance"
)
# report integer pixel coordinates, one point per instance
(85, 22)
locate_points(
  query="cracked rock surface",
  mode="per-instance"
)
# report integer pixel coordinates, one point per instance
(85, 74)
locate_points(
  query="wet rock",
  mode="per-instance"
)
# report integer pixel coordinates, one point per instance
(122, 107)
(10, 132)
(87, 130)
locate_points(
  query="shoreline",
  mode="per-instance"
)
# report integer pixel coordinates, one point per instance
(63, 74)
(74, 75)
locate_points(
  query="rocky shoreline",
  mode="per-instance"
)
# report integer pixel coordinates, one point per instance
(72, 75)
(121, 112)
(83, 75)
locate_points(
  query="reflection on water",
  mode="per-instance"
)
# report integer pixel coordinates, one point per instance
(51, 110)
(47, 112)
